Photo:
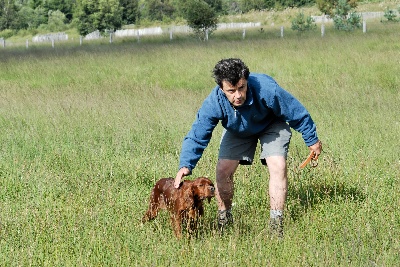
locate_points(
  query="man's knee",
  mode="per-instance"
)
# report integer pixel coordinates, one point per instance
(277, 166)
(226, 169)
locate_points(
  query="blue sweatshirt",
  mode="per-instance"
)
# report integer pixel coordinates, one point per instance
(266, 102)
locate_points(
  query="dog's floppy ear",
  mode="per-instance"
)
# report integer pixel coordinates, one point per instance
(194, 187)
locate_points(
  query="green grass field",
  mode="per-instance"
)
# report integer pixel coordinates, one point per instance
(87, 131)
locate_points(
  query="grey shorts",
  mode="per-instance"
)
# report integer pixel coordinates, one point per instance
(274, 141)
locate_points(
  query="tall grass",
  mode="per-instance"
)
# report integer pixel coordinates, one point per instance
(86, 131)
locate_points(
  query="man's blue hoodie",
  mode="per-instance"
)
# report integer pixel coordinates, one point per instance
(266, 102)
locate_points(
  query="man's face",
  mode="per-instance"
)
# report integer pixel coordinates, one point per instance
(236, 94)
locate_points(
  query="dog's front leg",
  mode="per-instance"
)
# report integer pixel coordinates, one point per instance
(192, 222)
(176, 221)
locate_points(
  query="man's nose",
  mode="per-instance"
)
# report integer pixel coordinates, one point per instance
(238, 94)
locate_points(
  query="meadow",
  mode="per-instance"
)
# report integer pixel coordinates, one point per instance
(86, 132)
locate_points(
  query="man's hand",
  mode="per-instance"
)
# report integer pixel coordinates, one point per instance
(181, 173)
(317, 149)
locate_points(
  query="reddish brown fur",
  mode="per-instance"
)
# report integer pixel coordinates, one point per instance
(185, 204)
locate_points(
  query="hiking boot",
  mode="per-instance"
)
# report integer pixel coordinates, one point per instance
(276, 227)
(225, 219)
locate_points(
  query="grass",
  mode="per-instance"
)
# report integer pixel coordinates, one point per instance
(86, 132)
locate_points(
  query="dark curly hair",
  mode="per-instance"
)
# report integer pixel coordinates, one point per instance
(230, 70)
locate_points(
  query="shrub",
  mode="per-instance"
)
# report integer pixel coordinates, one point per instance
(7, 33)
(301, 23)
(344, 18)
(56, 21)
(202, 18)
(391, 15)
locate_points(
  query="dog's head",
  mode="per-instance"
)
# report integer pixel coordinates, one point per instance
(203, 188)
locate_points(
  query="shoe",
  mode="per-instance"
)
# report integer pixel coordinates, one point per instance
(225, 219)
(276, 227)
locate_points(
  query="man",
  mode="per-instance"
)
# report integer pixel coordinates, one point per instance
(251, 107)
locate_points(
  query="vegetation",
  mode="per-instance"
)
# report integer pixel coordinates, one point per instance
(98, 15)
(345, 18)
(301, 23)
(87, 130)
(391, 15)
(201, 18)
(90, 15)
(328, 7)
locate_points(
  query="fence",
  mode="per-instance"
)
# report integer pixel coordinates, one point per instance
(138, 33)
(364, 16)
(59, 36)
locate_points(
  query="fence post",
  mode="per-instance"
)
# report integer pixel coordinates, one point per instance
(170, 34)
(138, 36)
(80, 40)
(206, 34)
(3, 42)
(322, 30)
(364, 26)
(52, 42)
(244, 33)
(281, 31)
(27, 43)
(111, 40)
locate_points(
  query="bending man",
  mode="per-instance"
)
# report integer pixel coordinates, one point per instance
(252, 108)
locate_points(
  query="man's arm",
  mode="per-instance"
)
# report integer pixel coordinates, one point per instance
(181, 173)
(292, 111)
(198, 138)
(317, 149)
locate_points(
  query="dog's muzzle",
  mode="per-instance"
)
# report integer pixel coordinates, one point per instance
(212, 190)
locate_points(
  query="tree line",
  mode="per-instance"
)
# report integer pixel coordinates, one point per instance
(109, 15)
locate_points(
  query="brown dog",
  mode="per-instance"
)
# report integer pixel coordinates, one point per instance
(185, 204)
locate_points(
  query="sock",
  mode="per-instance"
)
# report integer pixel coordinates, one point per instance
(276, 213)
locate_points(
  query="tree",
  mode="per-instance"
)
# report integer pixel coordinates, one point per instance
(201, 18)
(232, 6)
(8, 15)
(158, 9)
(40, 17)
(328, 6)
(217, 5)
(181, 7)
(29, 18)
(65, 6)
(56, 21)
(344, 18)
(301, 23)
(26, 16)
(130, 13)
(248, 5)
(99, 15)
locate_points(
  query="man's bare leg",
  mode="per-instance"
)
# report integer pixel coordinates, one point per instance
(224, 190)
(278, 187)
(278, 181)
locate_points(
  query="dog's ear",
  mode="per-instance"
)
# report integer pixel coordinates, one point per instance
(195, 189)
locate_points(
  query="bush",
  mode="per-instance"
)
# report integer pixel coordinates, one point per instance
(344, 18)
(201, 18)
(391, 15)
(56, 21)
(301, 23)
(7, 33)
